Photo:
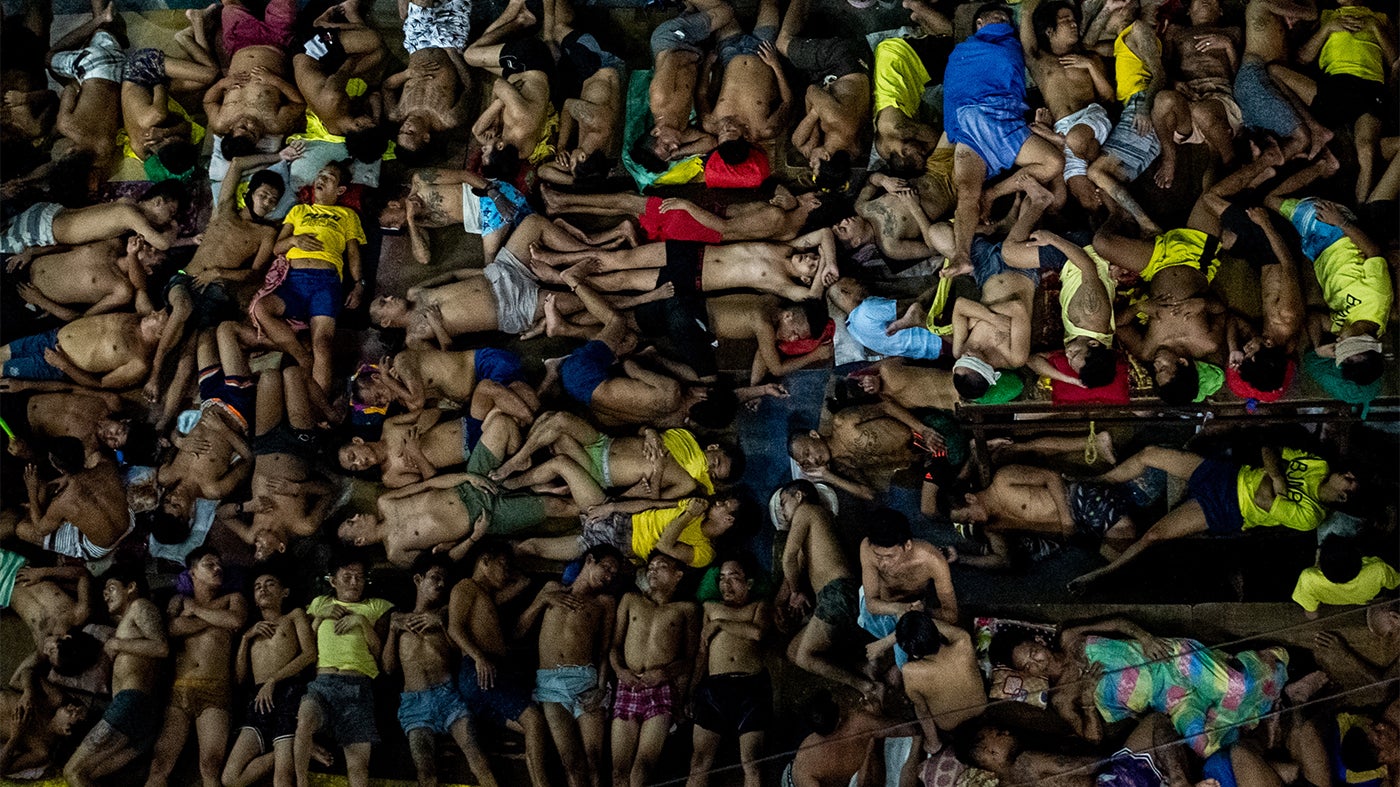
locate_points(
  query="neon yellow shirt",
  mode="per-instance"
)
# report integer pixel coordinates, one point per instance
(1313, 588)
(1298, 507)
(647, 527)
(346, 651)
(1355, 289)
(1358, 54)
(689, 455)
(334, 225)
(899, 77)
(1130, 73)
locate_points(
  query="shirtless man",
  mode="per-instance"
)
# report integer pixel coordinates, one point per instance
(46, 225)
(94, 278)
(85, 514)
(30, 741)
(752, 82)
(414, 447)
(437, 198)
(909, 386)
(41, 599)
(1261, 357)
(1086, 310)
(1262, 83)
(661, 465)
(109, 351)
(676, 218)
(430, 704)
(129, 726)
(1075, 86)
(325, 93)
(890, 214)
(94, 417)
(431, 98)
(900, 574)
(255, 98)
(1148, 757)
(675, 49)
(159, 131)
(514, 127)
(205, 623)
(866, 440)
(575, 640)
(590, 119)
(273, 653)
(798, 270)
(1199, 107)
(941, 678)
(653, 650)
(90, 62)
(816, 576)
(429, 375)
(733, 693)
(492, 689)
(837, 98)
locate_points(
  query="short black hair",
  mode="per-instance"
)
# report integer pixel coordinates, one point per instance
(1265, 369)
(1357, 753)
(734, 152)
(172, 190)
(968, 736)
(1047, 17)
(807, 488)
(1004, 644)
(490, 548)
(901, 165)
(1364, 368)
(1100, 366)
(429, 560)
(988, 8)
(918, 635)
(198, 553)
(888, 528)
(814, 311)
(343, 173)
(1339, 559)
(502, 164)
(128, 572)
(178, 157)
(736, 460)
(231, 147)
(823, 713)
(77, 652)
(142, 440)
(1184, 386)
(970, 385)
(593, 169)
(834, 174)
(67, 454)
(368, 145)
(165, 527)
(644, 155)
(277, 567)
(676, 563)
(343, 556)
(601, 552)
(717, 410)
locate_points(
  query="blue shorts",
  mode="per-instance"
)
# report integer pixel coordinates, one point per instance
(347, 704)
(1261, 103)
(585, 369)
(27, 358)
(995, 133)
(745, 43)
(1051, 258)
(684, 33)
(1213, 486)
(235, 392)
(436, 708)
(500, 366)
(879, 627)
(310, 292)
(505, 702)
(988, 261)
(471, 435)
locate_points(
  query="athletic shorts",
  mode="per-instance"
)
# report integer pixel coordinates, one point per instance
(279, 722)
(1136, 151)
(1095, 119)
(505, 514)
(585, 369)
(736, 703)
(33, 227)
(684, 33)
(27, 357)
(581, 56)
(471, 435)
(347, 704)
(611, 529)
(685, 264)
(234, 393)
(1095, 507)
(1214, 487)
(1188, 247)
(575, 687)
(1130, 769)
(310, 292)
(146, 67)
(435, 709)
(498, 366)
(995, 132)
(677, 225)
(988, 261)
(102, 58)
(482, 213)
(1261, 103)
(745, 43)
(825, 60)
(838, 604)
(194, 697)
(516, 290)
(502, 703)
(525, 54)
(285, 439)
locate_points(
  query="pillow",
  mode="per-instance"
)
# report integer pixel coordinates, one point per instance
(1116, 392)
(1004, 682)
(943, 770)
(1008, 684)
(984, 630)
(748, 174)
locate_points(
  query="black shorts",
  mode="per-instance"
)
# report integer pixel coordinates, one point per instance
(825, 60)
(281, 721)
(678, 325)
(685, 260)
(1213, 486)
(734, 703)
(1342, 98)
(283, 439)
(1251, 244)
(209, 305)
(525, 54)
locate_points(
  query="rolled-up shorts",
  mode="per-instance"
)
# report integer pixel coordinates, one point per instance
(102, 58)
(734, 703)
(436, 708)
(310, 292)
(1136, 151)
(988, 261)
(1210, 89)
(585, 369)
(745, 43)
(146, 67)
(643, 702)
(347, 704)
(279, 722)
(995, 132)
(600, 460)
(575, 687)
(27, 358)
(1096, 119)
(684, 33)
(502, 703)
(1214, 487)
(825, 60)
(1261, 103)
(838, 604)
(517, 292)
(33, 227)
(444, 26)
(524, 54)
(209, 305)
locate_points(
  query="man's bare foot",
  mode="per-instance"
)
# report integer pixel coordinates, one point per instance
(1106, 453)
(540, 266)
(1037, 196)
(913, 318)
(322, 755)
(551, 377)
(1166, 171)
(552, 257)
(574, 232)
(1302, 689)
(1329, 163)
(535, 330)
(1321, 135)
(553, 320)
(957, 265)
(198, 16)
(574, 275)
(1081, 584)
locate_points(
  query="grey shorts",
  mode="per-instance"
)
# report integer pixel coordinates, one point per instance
(102, 58)
(517, 292)
(33, 227)
(1136, 151)
(444, 26)
(745, 43)
(825, 60)
(685, 33)
(613, 529)
(1261, 103)
(347, 704)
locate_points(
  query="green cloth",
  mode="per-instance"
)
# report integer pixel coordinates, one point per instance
(10, 564)
(638, 125)
(954, 440)
(708, 589)
(1329, 378)
(1212, 377)
(1004, 390)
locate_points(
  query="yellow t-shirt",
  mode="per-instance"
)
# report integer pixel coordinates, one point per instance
(689, 455)
(1298, 507)
(1313, 588)
(1358, 54)
(647, 527)
(1130, 73)
(1354, 288)
(1071, 279)
(899, 77)
(334, 225)
(346, 651)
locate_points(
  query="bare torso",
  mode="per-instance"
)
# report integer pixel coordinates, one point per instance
(442, 202)
(253, 97)
(673, 88)
(656, 633)
(84, 275)
(130, 671)
(573, 637)
(431, 89)
(425, 657)
(730, 653)
(948, 683)
(747, 95)
(917, 387)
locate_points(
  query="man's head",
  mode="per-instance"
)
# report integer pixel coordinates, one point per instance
(152, 325)
(991, 14)
(349, 573)
(394, 214)
(492, 564)
(165, 526)
(415, 133)
(1176, 378)
(986, 746)
(653, 152)
(206, 567)
(233, 146)
(264, 192)
(853, 232)
(809, 450)
(74, 652)
(1095, 364)
(500, 160)
(590, 169)
(122, 584)
(713, 407)
(973, 377)
(734, 582)
(1264, 365)
(269, 591)
(246, 131)
(389, 311)
(721, 515)
(831, 171)
(1030, 657)
(803, 265)
(430, 574)
(330, 183)
(1360, 363)
(823, 714)
(601, 563)
(1339, 559)
(972, 511)
(357, 456)
(847, 294)
(734, 151)
(1056, 26)
(1204, 13)
(793, 494)
(723, 462)
(268, 542)
(918, 635)
(1339, 485)
(368, 143)
(360, 530)
(663, 573)
(796, 321)
(890, 537)
(1383, 618)
(113, 432)
(67, 716)
(163, 201)
(178, 156)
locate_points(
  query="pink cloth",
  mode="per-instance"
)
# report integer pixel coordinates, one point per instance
(241, 29)
(276, 274)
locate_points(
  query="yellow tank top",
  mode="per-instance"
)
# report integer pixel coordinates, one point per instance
(1358, 54)
(1129, 71)
(1071, 279)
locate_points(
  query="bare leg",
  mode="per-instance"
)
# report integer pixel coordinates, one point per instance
(422, 748)
(1108, 174)
(620, 204)
(212, 730)
(357, 764)
(309, 720)
(562, 548)
(168, 745)
(245, 765)
(465, 736)
(584, 490)
(1187, 519)
(704, 746)
(750, 748)
(485, 51)
(969, 173)
(1368, 132)
(561, 729)
(547, 429)
(1130, 253)
(101, 16)
(1171, 117)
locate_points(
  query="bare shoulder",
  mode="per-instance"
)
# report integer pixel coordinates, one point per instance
(143, 612)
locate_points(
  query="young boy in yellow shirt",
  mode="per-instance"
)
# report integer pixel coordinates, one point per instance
(1342, 576)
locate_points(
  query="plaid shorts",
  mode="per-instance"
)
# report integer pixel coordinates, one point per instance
(643, 702)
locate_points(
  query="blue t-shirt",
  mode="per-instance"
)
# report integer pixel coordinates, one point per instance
(868, 321)
(988, 68)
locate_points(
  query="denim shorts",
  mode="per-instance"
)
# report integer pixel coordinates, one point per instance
(347, 701)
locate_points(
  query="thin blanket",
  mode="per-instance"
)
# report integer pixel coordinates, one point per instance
(1211, 696)
(638, 124)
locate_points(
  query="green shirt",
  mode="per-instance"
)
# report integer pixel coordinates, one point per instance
(1313, 588)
